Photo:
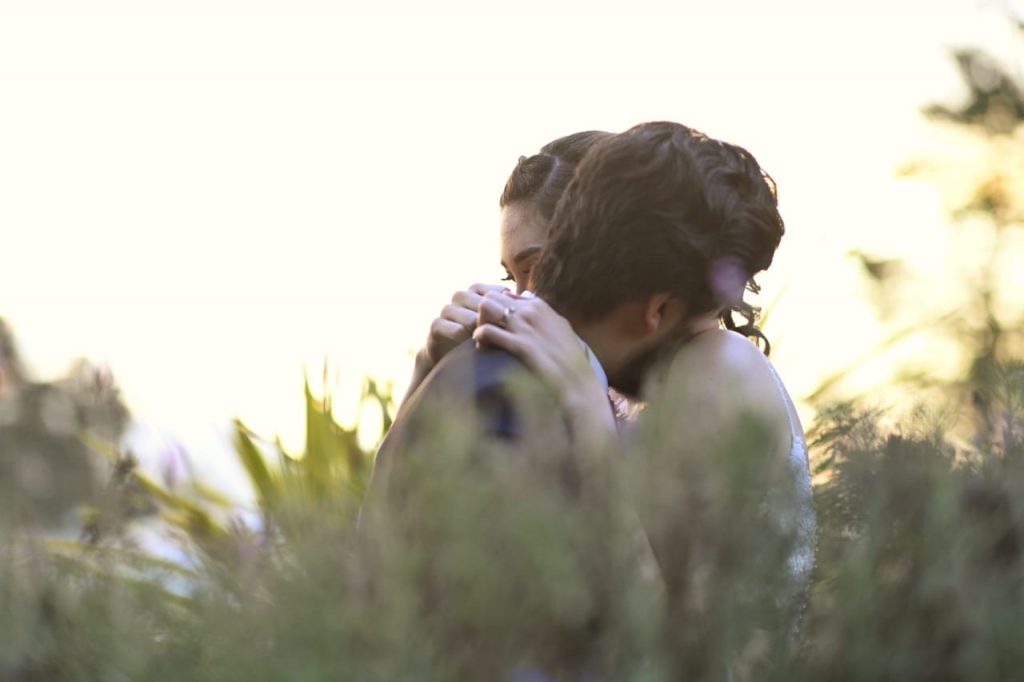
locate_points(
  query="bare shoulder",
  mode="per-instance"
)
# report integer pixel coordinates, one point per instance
(721, 355)
(718, 377)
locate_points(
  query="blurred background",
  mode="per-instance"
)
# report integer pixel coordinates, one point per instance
(209, 200)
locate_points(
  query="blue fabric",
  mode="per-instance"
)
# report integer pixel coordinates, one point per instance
(491, 371)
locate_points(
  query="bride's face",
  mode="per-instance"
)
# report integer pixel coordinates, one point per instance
(523, 235)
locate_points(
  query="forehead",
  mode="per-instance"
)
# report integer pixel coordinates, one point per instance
(522, 224)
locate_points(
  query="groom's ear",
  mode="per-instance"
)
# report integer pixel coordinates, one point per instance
(662, 310)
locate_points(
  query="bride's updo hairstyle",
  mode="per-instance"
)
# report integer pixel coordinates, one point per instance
(541, 178)
(661, 208)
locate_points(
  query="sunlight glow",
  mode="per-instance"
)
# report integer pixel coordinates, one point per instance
(212, 196)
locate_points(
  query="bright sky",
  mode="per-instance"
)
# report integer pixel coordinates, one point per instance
(210, 196)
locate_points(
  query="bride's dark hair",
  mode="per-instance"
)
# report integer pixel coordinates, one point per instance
(543, 177)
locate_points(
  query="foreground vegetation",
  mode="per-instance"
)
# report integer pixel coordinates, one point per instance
(492, 568)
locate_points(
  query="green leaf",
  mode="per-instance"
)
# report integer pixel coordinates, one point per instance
(254, 464)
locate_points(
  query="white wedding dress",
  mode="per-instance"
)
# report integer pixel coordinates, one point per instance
(796, 516)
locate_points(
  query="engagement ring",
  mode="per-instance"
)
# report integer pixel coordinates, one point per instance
(507, 315)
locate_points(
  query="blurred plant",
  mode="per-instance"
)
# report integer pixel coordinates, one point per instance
(993, 112)
(330, 474)
(46, 470)
(993, 115)
(920, 557)
(325, 481)
(493, 564)
(971, 309)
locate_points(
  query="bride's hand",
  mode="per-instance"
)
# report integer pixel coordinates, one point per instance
(454, 325)
(456, 322)
(532, 331)
(545, 341)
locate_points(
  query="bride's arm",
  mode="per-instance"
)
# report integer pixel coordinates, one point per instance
(454, 325)
(546, 343)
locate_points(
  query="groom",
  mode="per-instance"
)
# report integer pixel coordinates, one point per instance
(625, 263)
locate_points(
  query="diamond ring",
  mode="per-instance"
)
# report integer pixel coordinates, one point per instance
(506, 316)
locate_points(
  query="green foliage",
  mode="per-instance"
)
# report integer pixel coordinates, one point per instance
(493, 564)
(329, 477)
(45, 468)
(968, 311)
(920, 558)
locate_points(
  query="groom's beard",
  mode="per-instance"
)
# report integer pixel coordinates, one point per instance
(630, 379)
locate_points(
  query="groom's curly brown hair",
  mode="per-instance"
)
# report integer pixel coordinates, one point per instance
(651, 210)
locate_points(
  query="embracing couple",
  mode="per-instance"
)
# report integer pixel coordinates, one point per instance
(630, 254)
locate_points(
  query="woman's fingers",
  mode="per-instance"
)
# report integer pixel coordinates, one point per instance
(470, 298)
(447, 329)
(534, 332)
(459, 315)
(493, 335)
(502, 308)
(524, 345)
(445, 335)
(484, 289)
(546, 343)
(457, 320)
(491, 311)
